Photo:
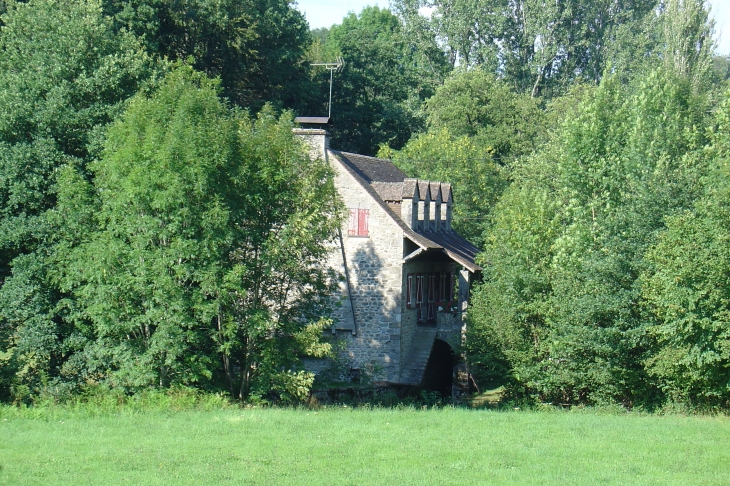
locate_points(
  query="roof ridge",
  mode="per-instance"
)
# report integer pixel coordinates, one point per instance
(372, 169)
(361, 155)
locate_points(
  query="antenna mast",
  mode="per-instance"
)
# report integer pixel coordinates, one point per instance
(332, 66)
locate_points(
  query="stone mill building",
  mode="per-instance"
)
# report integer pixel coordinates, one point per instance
(405, 272)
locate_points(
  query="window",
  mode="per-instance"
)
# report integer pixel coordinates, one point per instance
(421, 297)
(358, 222)
(431, 293)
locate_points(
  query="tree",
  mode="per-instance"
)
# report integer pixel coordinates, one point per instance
(377, 97)
(538, 47)
(204, 264)
(475, 103)
(508, 315)
(722, 67)
(687, 38)
(562, 296)
(686, 288)
(561, 302)
(64, 75)
(256, 47)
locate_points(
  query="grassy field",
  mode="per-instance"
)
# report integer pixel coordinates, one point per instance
(357, 447)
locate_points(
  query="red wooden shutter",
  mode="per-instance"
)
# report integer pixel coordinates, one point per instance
(352, 228)
(419, 288)
(362, 222)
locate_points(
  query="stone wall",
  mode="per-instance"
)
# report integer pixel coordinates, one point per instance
(371, 308)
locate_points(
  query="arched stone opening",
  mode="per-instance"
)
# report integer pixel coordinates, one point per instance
(438, 376)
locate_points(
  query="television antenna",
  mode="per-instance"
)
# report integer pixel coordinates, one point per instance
(332, 66)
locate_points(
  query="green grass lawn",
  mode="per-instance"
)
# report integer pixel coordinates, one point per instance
(345, 446)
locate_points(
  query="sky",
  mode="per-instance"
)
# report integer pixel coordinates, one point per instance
(721, 12)
(324, 13)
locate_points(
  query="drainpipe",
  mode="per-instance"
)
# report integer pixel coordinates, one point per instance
(347, 279)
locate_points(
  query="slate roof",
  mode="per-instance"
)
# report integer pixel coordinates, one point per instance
(409, 188)
(435, 191)
(386, 183)
(371, 169)
(389, 191)
(457, 247)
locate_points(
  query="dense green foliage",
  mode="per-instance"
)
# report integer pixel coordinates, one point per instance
(64, 75)
(569, 236)
(378, 96)
(181, 277)
(476, 104)
(562, 314)
(256, 47)
(166, 260)
(536, 46)
(686, 288)
(160, 227)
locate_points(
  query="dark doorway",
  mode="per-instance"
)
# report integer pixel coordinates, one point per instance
(438, 375)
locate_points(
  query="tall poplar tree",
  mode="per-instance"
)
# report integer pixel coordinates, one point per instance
(538, 47)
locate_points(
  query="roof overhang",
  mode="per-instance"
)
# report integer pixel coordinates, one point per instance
(313, 120)
(453, 255)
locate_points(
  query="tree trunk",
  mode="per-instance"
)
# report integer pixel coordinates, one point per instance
(245, 373)
(536, 87)
(224, 355)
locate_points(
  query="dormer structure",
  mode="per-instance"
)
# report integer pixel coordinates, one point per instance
(448, 203)
(436, 206)
(405, 273)
(425, 224)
